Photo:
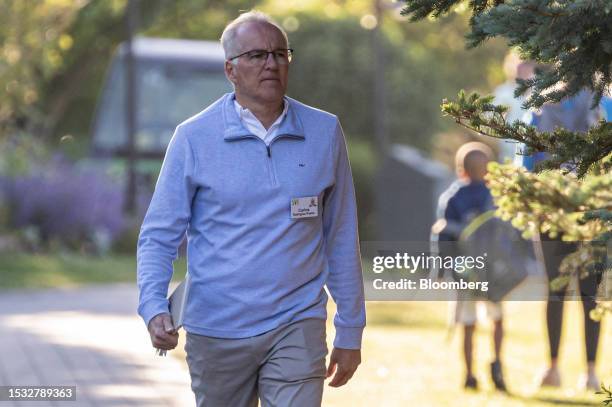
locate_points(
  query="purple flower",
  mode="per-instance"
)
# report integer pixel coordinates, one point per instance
(64, 203)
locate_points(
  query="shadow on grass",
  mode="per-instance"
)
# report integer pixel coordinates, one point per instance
(555, 400)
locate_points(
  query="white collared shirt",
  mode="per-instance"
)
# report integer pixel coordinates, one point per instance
(253, 124)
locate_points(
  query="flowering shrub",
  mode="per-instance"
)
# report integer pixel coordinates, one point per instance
(58, 202)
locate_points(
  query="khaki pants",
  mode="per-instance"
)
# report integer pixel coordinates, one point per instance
(282, 367)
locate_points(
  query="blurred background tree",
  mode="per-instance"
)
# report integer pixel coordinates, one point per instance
(573, 41)
(57, 55)
(55, 60)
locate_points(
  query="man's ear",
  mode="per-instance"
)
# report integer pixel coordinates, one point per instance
(230, 72)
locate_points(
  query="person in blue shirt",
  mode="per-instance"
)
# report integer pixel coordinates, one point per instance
(262, 186)
(606, 107)
(464, 200)
(573, 114)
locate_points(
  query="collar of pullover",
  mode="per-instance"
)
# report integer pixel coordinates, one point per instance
(235, 130)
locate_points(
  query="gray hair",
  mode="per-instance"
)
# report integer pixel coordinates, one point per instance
(228, 38)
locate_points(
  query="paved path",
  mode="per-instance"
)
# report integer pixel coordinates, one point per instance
(90, 338)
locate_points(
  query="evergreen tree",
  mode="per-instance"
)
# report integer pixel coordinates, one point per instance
(572, 39)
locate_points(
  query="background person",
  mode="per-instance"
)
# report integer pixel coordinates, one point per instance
(573, 114)
(514, 68)
(464, 200)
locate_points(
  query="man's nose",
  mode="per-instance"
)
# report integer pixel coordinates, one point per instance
(271, 57)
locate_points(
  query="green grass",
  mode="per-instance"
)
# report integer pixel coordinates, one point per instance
(409, 359)
(66, 270)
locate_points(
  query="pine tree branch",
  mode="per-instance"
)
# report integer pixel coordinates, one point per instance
(544, 13)
(573, 42)
(572, 39)
(553, 202)
(583, 151)
(607, 392)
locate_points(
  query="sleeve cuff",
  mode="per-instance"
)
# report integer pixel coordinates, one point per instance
(348, 338)
(152, 308)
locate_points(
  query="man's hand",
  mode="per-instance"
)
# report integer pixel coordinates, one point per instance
(163, 335)
(346, 361)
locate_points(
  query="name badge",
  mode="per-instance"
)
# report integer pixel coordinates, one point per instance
(307, 207)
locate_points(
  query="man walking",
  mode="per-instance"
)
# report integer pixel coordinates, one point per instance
(262, 185)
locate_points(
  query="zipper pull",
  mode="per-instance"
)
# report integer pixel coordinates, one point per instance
(268, 148)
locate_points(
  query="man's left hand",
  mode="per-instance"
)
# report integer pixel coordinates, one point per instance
(344, 362)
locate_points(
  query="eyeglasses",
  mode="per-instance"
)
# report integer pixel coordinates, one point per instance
(260, 56)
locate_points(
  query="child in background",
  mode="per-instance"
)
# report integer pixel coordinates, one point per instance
(465, 199)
